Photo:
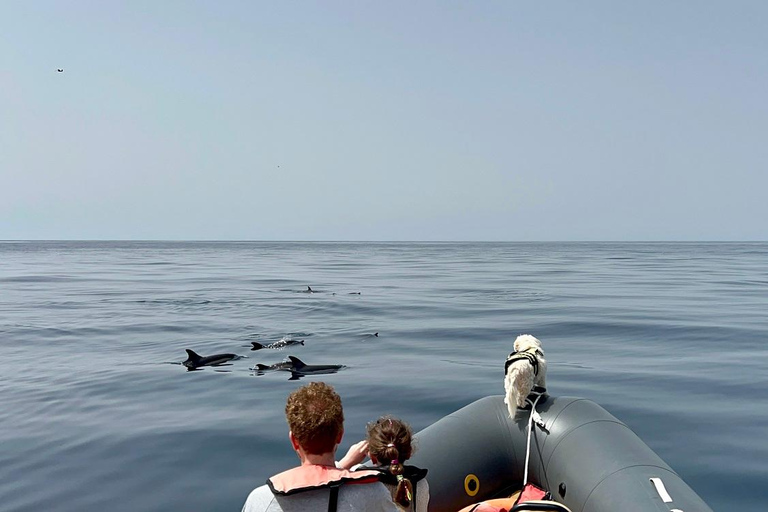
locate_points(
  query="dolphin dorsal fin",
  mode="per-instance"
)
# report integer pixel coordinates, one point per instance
(192, 356)
(256, 345)
(298, 364)
(309, 288)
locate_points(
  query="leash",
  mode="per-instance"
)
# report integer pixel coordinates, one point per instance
(534, 417)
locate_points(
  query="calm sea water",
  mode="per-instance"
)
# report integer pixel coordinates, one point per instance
(97, 414)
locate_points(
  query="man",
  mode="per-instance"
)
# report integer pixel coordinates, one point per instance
(316, 422)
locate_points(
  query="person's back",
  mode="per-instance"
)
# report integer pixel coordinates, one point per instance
(370, 497)
(420, 500)
(316, 421)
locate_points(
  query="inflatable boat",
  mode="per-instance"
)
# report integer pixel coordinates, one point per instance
(582, 455)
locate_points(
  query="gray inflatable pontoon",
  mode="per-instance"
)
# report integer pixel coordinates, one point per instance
(586, 458)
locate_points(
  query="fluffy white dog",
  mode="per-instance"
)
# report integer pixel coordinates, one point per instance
(525, 369)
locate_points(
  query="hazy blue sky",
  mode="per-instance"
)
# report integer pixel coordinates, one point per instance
(386, 120)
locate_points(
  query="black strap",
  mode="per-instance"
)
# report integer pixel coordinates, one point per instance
(412, 473)
(333, 499)
(517, 356)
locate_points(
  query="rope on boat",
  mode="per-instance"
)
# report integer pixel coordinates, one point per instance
(534, 417)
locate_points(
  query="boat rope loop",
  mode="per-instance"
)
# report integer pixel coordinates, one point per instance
(534, 417)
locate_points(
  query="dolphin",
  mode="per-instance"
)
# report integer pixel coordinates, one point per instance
(299, 367)
(195, 361)
(285, 365)
(276, 345)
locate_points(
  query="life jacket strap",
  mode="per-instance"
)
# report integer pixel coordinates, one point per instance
(412, 473)
(333, 498)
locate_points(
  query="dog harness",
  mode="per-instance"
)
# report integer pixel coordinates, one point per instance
(532, 355)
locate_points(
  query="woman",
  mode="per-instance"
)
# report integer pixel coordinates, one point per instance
(389, 445)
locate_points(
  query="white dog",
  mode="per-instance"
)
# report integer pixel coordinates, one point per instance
(525, 369)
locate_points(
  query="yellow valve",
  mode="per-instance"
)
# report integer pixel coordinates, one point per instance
(471, 485)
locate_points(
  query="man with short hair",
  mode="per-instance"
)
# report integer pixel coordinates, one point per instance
(316, 422)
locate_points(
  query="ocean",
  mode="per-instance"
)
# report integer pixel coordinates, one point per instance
(98, 414)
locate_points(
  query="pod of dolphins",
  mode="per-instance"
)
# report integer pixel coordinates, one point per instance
(294, 365)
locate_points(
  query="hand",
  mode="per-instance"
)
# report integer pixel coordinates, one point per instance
(356, 454)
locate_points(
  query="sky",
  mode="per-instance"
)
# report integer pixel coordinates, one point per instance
(369, 121)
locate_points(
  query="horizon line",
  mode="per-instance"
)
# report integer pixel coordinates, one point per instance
(170, 240)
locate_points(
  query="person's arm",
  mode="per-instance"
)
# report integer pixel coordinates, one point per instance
(357, 453)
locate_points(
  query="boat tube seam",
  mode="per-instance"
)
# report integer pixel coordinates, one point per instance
(570, 404)
(564, 436)
(541, 444)
(554, 420)
(576, 401)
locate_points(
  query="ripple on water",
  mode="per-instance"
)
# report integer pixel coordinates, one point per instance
(670, 338)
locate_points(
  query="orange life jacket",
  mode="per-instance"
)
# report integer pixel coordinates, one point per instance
(312, 477)
(497, 505)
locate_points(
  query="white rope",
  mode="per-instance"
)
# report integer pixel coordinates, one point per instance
(530, 429)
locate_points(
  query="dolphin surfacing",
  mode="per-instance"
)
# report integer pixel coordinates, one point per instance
(276, 345)
(300, 367)
(195, 360)
(285, 365)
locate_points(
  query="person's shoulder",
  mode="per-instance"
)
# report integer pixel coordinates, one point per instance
(376, 496)
(258, 500)
(422, 495)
